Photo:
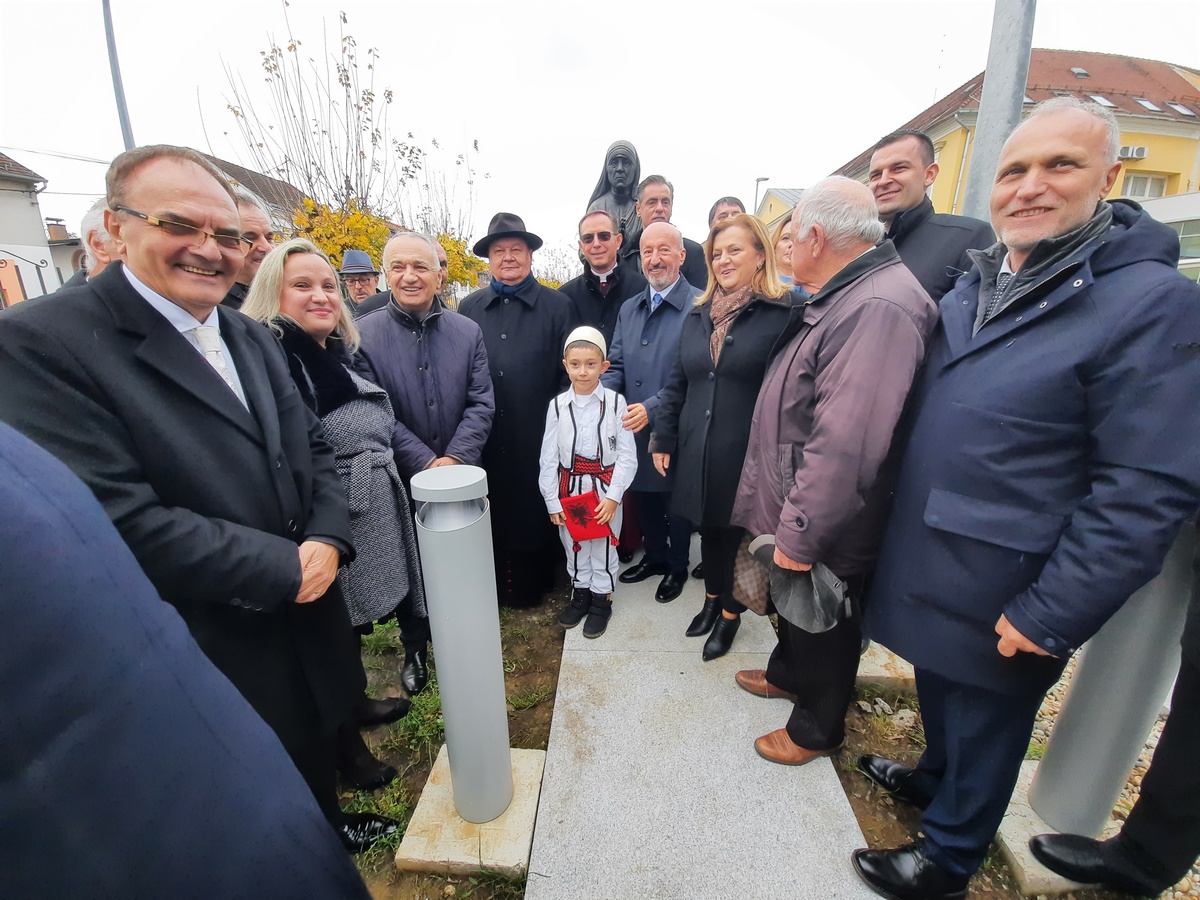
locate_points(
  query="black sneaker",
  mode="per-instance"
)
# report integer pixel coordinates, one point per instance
(597, 616)
(581, 601)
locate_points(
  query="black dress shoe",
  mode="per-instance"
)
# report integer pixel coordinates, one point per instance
(641, 572)
(359, 831)
(381, 712)
(698, 572)
(906, 873)
(721, 639)
(703, 622)
(1090, 861)
(624, 556)
(670, 587)
(414, 674)
(356, 765)
(895, 779)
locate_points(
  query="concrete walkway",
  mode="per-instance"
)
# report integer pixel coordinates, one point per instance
(652, 788)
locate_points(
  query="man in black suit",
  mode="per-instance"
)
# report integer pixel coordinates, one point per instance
(656, 203)
(933, 245)
(606, 282)
(184, 421)
(260, 234)
(124, 750)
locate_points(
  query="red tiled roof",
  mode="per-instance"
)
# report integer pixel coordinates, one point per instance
(10, 168)
(273, 191)
(1120, 79)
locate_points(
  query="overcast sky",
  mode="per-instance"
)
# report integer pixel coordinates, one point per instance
(712, 94)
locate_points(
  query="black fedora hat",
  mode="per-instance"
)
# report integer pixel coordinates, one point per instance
(505, 225)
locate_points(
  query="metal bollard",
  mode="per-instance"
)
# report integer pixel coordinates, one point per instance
(454, 532)
(1123, 675)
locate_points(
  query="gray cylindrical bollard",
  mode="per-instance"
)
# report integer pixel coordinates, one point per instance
(1123, 675)
(454, 532)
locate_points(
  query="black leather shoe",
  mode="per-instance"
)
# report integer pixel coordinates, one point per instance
(893, 778)
(670, 587)
(698, 572)
(414, 674)
(1090, 861)
(356, 765)
(906, 873)
(721, 639)
(641, 572)
(381, 712)
(703, 622)
(359, 831)
(623, 556)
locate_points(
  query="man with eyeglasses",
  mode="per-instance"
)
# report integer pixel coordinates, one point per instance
(260, 236)
(361, 279)
(182, 418)
(605, 283)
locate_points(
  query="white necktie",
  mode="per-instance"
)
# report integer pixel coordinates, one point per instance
(209, 339)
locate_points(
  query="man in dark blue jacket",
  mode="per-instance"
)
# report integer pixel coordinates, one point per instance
(645, 342)
(1054, 454)
(132, 767)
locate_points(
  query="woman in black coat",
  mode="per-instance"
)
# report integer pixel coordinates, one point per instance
(296, 293)
(703, 421)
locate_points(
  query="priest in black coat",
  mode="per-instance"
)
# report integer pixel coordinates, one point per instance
(606, 282)
(525, 325)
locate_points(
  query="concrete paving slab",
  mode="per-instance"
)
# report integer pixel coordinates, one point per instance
(652, 788)
(1019, 825)
(439, 840)
(882, 670)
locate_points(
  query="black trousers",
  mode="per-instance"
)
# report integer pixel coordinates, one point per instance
(718, 550)
(975, 740)
(1162, 833)
(666, 538)
(820, 670)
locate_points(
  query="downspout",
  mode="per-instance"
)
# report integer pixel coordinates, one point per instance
(962, 165)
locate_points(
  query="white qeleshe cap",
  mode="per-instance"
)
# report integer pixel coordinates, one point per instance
(589, 334)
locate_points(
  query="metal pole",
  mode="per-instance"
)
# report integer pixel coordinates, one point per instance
(454, 532)
(1003, 96)
(757, 182)
(118, 87)
(1123, 675)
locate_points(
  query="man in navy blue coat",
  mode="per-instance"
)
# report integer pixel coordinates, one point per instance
(645, 343)
(1054, 454)
(132, 767)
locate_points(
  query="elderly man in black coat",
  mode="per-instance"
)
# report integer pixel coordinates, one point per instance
(182, 418)
(525, 325)
(124, 750)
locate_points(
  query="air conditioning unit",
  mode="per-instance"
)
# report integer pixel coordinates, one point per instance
(1128, 152)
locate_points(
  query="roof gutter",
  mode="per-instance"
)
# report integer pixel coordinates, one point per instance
(962, 164)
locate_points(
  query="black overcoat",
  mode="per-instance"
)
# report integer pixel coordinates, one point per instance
(704, 416)
(524, 337)
(213, 499)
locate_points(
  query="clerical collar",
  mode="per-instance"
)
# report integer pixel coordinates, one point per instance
(604, 276)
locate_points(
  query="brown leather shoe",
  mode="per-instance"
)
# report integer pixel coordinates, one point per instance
(777, 747)
(755, 681)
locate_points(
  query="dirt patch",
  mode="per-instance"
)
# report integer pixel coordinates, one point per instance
(532, 644)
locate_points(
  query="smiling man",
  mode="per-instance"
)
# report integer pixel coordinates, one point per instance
(933, 245)
(260, 236)
(1052, 458)
(605, 283)
(656, 203)
(182, 418)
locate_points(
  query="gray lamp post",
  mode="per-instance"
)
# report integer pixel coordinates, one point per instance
(757, 181)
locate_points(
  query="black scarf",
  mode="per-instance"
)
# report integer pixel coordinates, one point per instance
(320, 373)
(510, 290)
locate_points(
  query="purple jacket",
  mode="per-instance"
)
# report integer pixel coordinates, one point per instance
(436, 376)
(827, 410)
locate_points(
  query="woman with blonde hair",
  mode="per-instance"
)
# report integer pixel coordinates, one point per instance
(297, 294)
(703, 421)
(781, 240)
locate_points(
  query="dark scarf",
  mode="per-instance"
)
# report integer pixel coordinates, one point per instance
(724, 309)
(320, 373)
(510, 290)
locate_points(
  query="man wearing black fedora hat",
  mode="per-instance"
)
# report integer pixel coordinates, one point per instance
(524, 326)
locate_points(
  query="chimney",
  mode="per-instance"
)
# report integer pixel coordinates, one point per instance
(57, 230)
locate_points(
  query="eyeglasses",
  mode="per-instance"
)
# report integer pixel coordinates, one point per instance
(180, 229)
(360, 279)
(602, 236)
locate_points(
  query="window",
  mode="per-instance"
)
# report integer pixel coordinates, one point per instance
(1079, 72)
(1143, 187)
(1153, 107)
(1103, 101)
(1181, 109)
(1189, 238)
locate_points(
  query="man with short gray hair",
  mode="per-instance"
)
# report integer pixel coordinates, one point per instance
(1050, 462)
(260, 233)
(833, 396)
(98, 247)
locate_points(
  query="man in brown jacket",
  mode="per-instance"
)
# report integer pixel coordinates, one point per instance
(821, 433)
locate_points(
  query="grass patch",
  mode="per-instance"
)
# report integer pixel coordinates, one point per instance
(1036, 750)
(495, 886)
(395, 803)
(423, 730)
(529, 698)
(518, 633)
(384, 639)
